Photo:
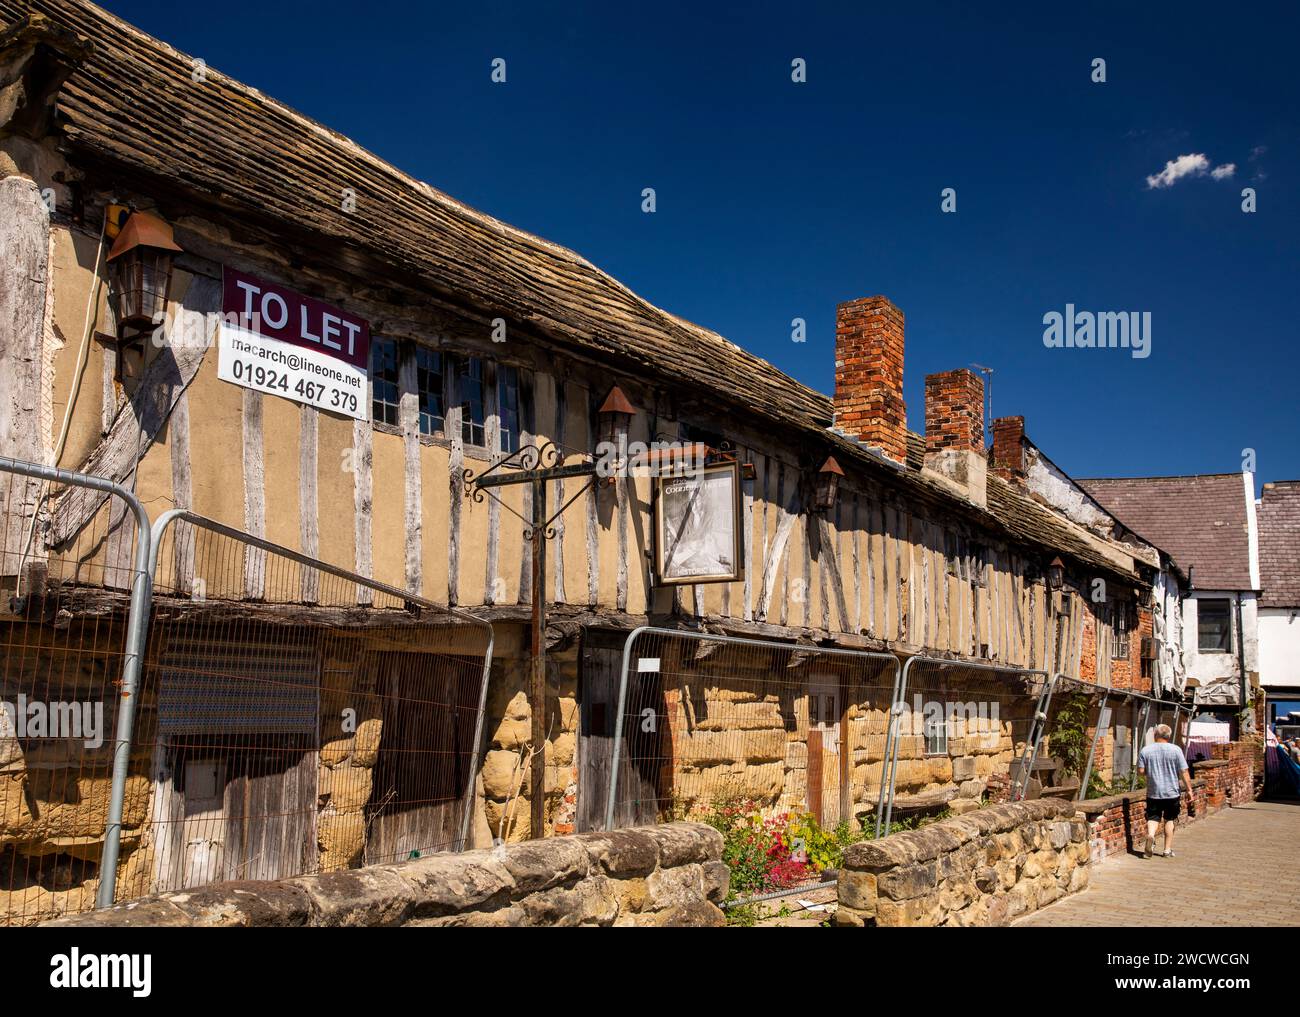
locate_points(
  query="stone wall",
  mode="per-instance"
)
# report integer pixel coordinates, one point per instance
(647, 876)
(742, 731)
(505, 799)
(983, 868)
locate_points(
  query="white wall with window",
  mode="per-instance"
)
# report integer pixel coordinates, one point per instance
(1221, 633)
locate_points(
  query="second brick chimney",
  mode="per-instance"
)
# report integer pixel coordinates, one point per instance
(1007, 457)
(954, 433)
(869, 375)
(954, 411)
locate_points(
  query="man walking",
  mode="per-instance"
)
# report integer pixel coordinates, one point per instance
(1163, 764)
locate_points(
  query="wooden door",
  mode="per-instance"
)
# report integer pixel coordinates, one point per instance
(270, 806)
(824, 750)
(235, 808)
(638, 800)
(203, 823)
(421, 775)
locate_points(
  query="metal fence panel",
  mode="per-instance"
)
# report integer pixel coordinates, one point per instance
(73, 572)
(710, 719)
(958, 727)
(726, 730)
(287, 717)
(299, 718)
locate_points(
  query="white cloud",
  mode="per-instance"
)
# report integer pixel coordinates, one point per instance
(1176, 169)
(1224, 171)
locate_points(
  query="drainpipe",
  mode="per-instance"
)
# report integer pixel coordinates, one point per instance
(1241, 662)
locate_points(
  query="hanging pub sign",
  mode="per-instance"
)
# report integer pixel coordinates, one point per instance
(697, 526)
(280, 342)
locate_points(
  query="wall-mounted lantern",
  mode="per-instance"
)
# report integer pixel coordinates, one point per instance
(1056, 574)
(141, 265)
(827, 486)
(616, 414)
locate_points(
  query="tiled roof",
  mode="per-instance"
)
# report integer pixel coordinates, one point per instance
(1200, 520)
(1279, 544)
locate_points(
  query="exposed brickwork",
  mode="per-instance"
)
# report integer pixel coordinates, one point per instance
(1124, 672)
(1088, 648)
(954, 411)
(1237, 780)
(869, 375)
(1007, 457)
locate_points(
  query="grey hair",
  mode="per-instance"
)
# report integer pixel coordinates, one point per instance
(1163, 731)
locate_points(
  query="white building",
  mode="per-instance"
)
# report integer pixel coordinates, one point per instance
(1279, 602)
(1207, 523)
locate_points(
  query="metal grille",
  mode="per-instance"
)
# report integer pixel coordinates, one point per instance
(208, 686)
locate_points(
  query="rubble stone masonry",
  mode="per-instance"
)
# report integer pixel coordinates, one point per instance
(648, 876)
(984, 868)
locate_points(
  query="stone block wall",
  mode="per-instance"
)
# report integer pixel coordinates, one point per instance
(646, 876)
(983, 868)
(739, 732)
(505, 800)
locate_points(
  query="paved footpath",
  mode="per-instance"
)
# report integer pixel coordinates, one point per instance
(1238, 867)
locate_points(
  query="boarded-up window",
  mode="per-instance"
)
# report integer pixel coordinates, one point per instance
(256, 685)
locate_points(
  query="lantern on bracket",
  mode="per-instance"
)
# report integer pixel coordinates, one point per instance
(827, 486)
(140, 263)
(1056, 574)
(616, 414)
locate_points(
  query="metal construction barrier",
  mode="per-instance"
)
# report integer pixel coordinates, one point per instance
(1122, 721)
(953, 725)
(187, 703)
(296, 717)
(727, 729)
(74, 556)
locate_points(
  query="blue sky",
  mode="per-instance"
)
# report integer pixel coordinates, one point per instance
(777, 200)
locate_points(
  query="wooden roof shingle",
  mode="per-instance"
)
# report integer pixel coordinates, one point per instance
(131, 105)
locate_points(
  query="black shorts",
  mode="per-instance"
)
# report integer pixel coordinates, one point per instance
(1161, 809)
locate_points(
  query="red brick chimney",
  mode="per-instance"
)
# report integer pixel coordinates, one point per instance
(869, 375)
(954, 411)
(954, 434)
(1007, 458)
